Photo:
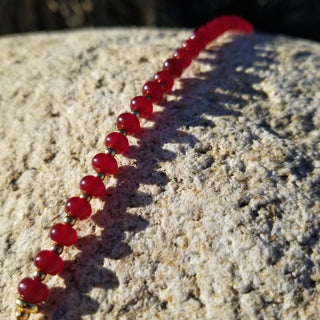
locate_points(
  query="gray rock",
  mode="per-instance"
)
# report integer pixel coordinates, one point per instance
(214, 213)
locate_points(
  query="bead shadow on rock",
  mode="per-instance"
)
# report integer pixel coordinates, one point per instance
(251, 55)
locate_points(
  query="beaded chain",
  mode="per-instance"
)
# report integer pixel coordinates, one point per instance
(32, 290)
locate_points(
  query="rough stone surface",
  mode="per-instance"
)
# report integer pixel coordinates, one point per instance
(214, 213)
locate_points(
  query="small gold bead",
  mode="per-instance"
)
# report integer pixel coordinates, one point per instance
(39, 274)
(122, 132)
(161, 84)
(136, 113)
(70, 220)
(22, 315)
(111, 151)
(26, 306)
(58, 249)
(100, 176)
(85, 196)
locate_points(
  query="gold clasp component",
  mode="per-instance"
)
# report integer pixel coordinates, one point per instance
(24, 309)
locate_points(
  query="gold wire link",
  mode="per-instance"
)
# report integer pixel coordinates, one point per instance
(100, 176)
(26, 307)
(70, 220)
(136, 113)
(39, 274)
(22, 315)
(58, 249)
(111, 151)
(122, 132)
(85, 196)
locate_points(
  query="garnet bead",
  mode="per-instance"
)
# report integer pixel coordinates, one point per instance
(142, 105)
(153, 90)
(33, 290)
(78, 207)
(184, 56)
(211, 32)
(92, 186)
(166, 79)
(193, 46)
(105, 164)
(48, 262)
(218, 26)
(63, 234)
(129, 123)
(118, 142)
(174, 67)
(201, 38)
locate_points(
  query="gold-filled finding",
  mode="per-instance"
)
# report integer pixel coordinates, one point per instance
(58, 249)
(26, 307)
(85, 196)
(136, 113)
(100, 176)
(70, 220)
(22, 315)
(122, 132)
(39, 274)
(111, 151)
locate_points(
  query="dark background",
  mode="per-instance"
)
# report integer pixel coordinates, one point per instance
(293, 17)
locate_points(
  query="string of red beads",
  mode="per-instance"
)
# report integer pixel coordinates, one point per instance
(32, 290)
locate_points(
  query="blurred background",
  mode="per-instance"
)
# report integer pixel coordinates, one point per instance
(292, 17)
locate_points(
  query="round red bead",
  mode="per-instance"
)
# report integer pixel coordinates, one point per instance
(63, 234)
(226, 22)
(153, 90)
(129, 123)
(212, 30)
(33, 290)
(105, 164)
(166, 79)
(174, 67)
(193, 46)
(142, 105)
(78, 208)
(48, 262)
(92, 186)
(184, 56)
(118, 142)
(201, 38)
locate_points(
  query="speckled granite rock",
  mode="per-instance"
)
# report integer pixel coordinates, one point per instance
(214, 213)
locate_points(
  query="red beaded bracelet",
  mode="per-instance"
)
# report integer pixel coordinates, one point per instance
(32, 290)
